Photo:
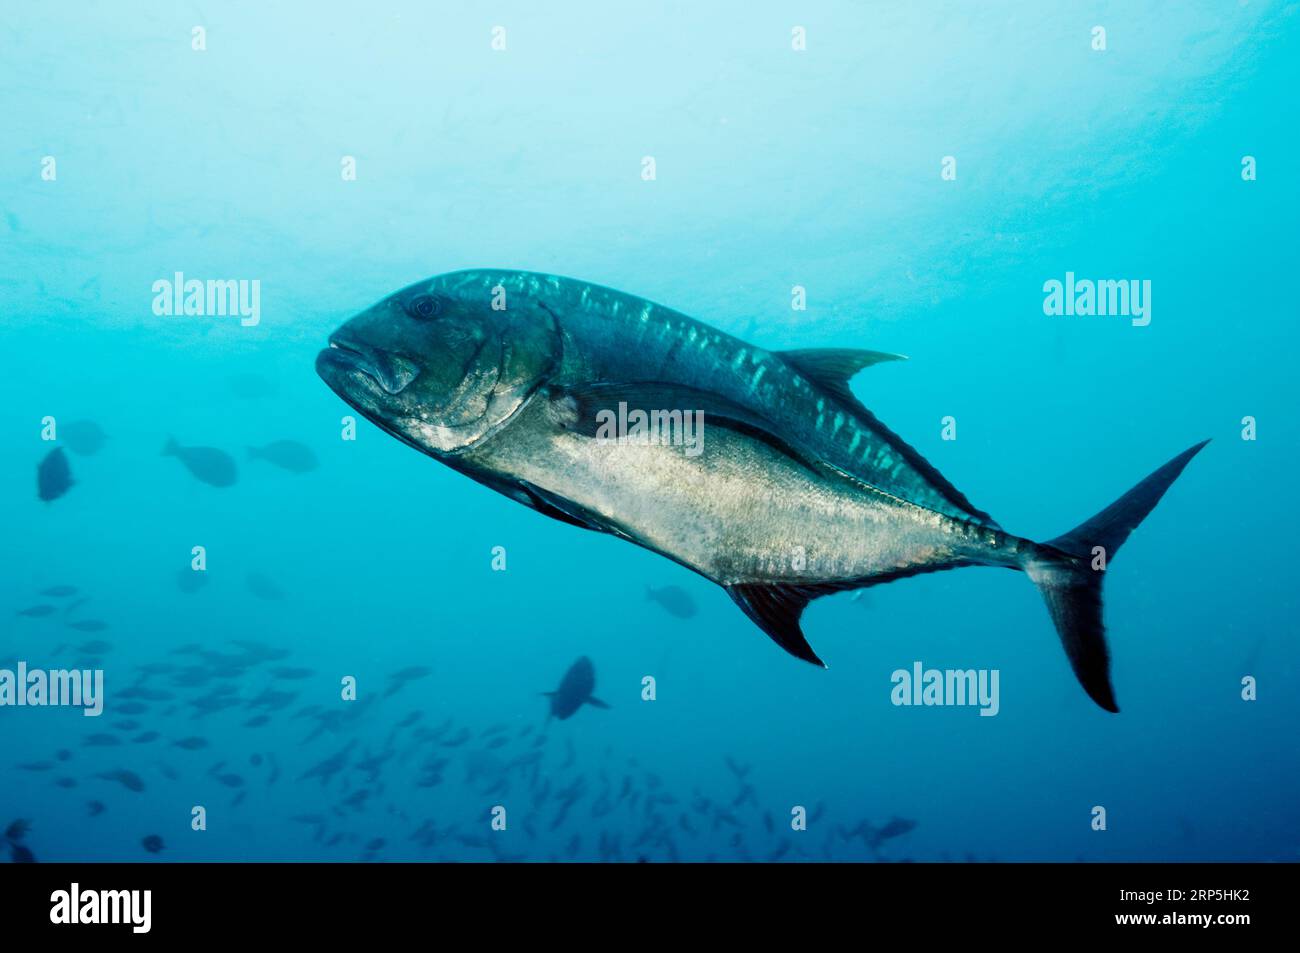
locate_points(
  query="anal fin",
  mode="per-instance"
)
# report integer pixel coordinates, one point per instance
(776, 609)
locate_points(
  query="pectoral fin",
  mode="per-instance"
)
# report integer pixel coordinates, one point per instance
(586, 409)
(593, 700)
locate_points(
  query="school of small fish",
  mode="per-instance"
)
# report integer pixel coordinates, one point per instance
(569, 801)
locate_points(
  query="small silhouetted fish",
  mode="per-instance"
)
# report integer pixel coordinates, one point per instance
(148, 694)
(18, 830)
(132, 708)
(95, 808)
(89, 625)
(153, 844)
(398, 679)
(894, 827)
(291, 673)
(66, 782)
(257, 721)
(63, 754)
(21, 855)
(458, 739)
(251, 386)
(59, 592)
(96, 647)
(101, 740)
(575, 690)
(262, 650)
(189, 580)
(674, 600)
(231, 780)
(156, 668)
(145, 738)
(207, 464)
(36, 766)
(128, 779)
(82, 436)
(53, 475)
(191, 744)
(263, 587)
(287, 455)
(35, 612)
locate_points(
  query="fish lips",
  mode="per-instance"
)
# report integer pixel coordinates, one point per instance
(347, 360)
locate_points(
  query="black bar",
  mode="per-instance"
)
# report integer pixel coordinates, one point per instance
(205, 902)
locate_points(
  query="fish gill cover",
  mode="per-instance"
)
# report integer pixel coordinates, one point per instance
(447, 424)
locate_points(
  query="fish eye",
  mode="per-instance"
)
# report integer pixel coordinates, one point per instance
(423, 307)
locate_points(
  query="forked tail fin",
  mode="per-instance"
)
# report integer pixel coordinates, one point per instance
(1062, 569)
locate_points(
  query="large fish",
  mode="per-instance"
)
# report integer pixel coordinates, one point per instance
(796, 490)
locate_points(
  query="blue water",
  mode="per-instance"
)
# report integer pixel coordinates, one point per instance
(774, 168)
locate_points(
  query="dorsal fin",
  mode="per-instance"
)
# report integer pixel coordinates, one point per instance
(831, 368)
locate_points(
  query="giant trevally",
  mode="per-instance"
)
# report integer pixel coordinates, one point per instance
(516, 379)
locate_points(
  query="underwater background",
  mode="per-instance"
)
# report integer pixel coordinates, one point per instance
(775, 167)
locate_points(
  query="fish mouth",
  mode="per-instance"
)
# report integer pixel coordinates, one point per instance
(388, 372)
